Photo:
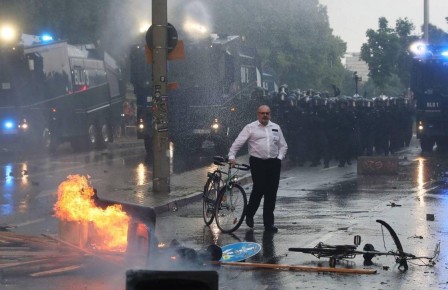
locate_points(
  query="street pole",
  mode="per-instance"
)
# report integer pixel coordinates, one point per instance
(355, 76)
(161, 170)
(426, 21)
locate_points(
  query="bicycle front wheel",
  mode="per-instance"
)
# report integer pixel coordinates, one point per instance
(230, 208)
(209, 198)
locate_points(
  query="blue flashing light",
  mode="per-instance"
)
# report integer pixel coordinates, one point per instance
(46, 38)
(8, 125)
(444, 53)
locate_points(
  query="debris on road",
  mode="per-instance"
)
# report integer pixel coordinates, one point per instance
(37, 256)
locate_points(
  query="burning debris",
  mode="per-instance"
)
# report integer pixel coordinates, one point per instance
(94, 230)
(179, 256)
(107, 228)
(36, 256)
(90, 230)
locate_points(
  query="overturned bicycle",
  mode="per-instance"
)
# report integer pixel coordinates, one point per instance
(336, 253)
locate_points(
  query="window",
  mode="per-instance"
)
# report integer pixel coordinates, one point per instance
(244, 74)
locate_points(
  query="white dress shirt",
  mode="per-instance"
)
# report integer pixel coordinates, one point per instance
(264, 141)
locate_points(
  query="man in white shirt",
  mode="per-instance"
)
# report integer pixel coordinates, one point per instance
(267, 147)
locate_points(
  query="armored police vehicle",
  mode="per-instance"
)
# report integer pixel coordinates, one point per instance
(211, 103)
(429, 84)
(53, 92)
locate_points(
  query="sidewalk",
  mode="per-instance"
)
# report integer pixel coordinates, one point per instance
(185, 187)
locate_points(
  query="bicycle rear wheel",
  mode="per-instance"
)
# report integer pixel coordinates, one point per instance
(209, 198)
(230, 208)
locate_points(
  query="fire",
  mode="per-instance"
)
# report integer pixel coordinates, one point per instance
(75, 204)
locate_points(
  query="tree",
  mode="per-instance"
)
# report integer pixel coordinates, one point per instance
(293, 37)
(437, 36)
(386, 53)
(76, 21)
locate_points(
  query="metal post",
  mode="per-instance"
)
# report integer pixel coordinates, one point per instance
(426, 21)
(161, 171)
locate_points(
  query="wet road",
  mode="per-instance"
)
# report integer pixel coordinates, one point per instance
(314, 205)
(332, 206)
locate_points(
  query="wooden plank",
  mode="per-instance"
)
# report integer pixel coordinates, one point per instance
(33, 253)
(83, 250)
(19, 240)
(8, 248)
(298, 268)
(56, 271)
(18, 264)
(49, 264)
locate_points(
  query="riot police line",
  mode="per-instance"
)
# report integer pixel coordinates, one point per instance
(321, 130)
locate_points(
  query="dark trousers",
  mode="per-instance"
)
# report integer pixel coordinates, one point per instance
(265, 177)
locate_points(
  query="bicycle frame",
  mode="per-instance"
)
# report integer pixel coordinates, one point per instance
(219, 196)
(231, 178)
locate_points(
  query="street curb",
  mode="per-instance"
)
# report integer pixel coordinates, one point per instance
(193, 197)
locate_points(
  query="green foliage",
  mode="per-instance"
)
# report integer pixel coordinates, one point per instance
(394, 88)
(380, 52)
(437, 36)
(78, 21)
(387, 53)
(293, 37)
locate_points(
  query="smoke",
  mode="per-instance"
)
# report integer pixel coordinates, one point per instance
(196, 20)
(122, 25)
(127, 22)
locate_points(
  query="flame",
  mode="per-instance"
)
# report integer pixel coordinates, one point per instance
(75, 203)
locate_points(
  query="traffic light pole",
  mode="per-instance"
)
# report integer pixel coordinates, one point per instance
(161, 170)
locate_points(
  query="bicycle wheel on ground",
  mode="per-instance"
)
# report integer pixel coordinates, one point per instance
(230, 208)
(209, 198)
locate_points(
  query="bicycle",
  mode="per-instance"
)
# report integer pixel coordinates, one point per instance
(211, 190)
(340, 252)
(223, 198)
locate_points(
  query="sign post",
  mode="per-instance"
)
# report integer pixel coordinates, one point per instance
(159, 48)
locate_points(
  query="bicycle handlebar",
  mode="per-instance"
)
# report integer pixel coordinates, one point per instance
(243, 167)
(220, 161)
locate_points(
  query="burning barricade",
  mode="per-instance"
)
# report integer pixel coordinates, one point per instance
(93, 230)
(83, 223)
(119, 234)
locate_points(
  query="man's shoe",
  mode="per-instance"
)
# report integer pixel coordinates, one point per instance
(272, 229)
(250, 221)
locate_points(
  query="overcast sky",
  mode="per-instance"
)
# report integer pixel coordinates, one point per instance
(350, 19)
